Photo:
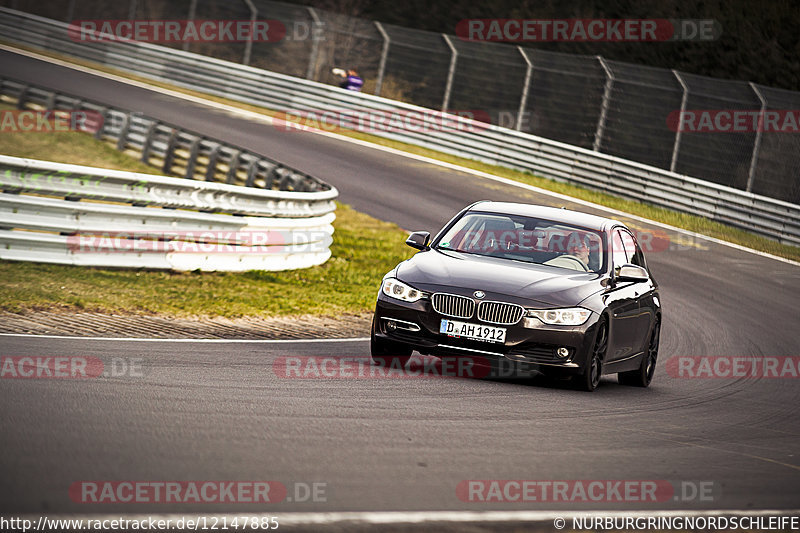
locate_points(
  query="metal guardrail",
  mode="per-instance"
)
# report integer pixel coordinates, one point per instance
(38, 227)
(174, 150)
(490, 144)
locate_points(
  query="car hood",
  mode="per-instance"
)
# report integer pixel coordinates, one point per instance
(517, 282)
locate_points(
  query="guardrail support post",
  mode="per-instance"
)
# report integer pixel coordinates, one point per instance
(101, 129)
(526, 86)
(233, 167)
(194, 150)
(169, 154)
(123, 132)
(384, 54)
(312, 59)
(211, 168)
(450, 72)
(601, 122)
(684, 101)
(192, 13)
(248, 45)
(751, 176)
(148, 142)
(23, 95)
(252, 170)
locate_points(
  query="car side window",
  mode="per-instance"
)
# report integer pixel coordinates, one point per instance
(629, 245)
(632, 250)
(618, 254)
(638, 258)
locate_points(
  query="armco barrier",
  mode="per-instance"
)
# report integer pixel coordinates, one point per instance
(202, 225)
(174, 150)
(490, 144)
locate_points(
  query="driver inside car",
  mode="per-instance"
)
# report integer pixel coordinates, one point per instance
(576, 246)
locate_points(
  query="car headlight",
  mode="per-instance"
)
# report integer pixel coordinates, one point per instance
(572, 316)
(397, 289)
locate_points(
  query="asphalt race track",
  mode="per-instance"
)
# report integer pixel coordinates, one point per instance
(222, 411)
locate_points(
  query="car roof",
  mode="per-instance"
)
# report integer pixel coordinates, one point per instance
(548, 213)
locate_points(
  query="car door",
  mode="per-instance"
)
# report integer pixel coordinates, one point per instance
(622, 302)
(644, 292)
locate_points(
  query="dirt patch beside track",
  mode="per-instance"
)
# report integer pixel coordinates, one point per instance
(101, 325)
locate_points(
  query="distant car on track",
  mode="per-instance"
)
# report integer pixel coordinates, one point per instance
(559, 292)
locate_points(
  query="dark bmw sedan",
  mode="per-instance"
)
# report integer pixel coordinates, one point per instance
(546, 290)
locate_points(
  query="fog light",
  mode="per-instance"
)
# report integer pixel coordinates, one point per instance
(562, 352)
(391, 325)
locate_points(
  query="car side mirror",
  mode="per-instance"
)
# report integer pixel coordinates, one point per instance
(419, 240)
(628, 272)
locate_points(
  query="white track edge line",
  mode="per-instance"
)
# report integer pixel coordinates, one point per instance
(143, 339)
(452, 166)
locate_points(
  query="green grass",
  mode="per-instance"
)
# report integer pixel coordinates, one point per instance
(69, 147)
(674, 218)
(363, 250)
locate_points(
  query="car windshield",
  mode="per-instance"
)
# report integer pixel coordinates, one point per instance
(526, 239)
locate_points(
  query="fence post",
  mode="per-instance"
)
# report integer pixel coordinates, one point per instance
(312, 60)
(524, 100)
(132, 10)
(71, 11)
(676, 147)
(384, 54)
(450, 73)
(601, 122)
(192, 13)
(757, 143)
(248, 46)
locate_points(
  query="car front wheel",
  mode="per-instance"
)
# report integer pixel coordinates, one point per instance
(590, 378)
(642, 376)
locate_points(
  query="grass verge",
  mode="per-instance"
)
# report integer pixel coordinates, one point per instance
(364, 249)
(690, 222)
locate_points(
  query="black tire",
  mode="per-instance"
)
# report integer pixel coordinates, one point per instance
(387, 353)
(590, 378)
(642, 376)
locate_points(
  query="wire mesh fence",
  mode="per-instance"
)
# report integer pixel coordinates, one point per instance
(613, 107)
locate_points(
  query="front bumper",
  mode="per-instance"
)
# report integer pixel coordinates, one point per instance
(526, 349)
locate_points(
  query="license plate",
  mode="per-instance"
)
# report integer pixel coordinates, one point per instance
(477, 332)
